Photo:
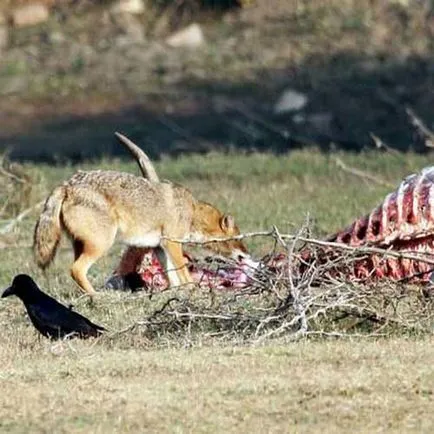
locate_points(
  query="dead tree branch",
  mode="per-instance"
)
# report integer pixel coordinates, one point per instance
(402, 254)
(421, 128)
(362, 174)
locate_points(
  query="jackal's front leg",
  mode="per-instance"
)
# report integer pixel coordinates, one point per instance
(172, 258)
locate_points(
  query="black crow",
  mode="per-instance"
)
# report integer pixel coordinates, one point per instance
(50, 318)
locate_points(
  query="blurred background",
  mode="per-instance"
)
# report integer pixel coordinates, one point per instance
(199, 75)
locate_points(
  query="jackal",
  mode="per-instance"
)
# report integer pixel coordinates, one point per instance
(93, 207)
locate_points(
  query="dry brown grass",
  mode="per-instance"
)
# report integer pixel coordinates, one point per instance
(338, 386)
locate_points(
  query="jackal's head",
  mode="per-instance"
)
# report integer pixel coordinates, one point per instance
(209, 222)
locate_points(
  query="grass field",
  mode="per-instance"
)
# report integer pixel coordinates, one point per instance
(68, 82)
(192, 381)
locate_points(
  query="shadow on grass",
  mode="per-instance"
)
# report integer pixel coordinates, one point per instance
(349, 97)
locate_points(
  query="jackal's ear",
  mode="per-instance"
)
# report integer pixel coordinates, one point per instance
(227, 223)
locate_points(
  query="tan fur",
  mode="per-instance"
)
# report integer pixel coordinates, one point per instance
(145, 164)
(48, 230)
(96, 206)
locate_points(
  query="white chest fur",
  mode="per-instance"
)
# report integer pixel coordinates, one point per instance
(150, 239)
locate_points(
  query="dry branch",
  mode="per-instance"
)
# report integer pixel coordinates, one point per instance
(421, 128)
(402, 254)
(16, 188)
(362, 174)
(13, 222)
(379, 144)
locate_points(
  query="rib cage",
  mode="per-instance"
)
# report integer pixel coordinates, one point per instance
(404, 221)
(405, 214)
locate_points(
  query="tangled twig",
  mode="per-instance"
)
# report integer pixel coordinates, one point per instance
(293, 302)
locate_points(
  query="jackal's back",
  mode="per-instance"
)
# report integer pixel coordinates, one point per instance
(127, 190)
(135, 203)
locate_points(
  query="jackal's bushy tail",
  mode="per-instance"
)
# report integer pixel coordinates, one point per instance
(48, 228)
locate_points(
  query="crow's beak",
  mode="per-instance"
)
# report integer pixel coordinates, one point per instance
(8, 291)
